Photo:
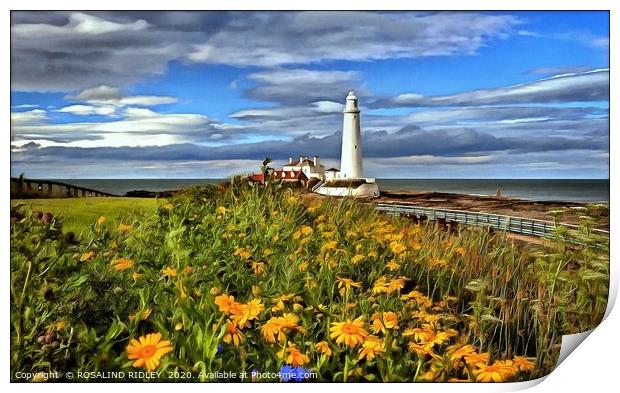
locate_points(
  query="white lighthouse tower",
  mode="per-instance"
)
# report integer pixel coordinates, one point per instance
(351, 157)
(350, 180)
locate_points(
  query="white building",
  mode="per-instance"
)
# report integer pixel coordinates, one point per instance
(350, 181)
(312, 168)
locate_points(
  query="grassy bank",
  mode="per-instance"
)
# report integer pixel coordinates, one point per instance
(79, 213)
(249, 278)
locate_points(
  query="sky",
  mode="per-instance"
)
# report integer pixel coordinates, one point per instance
(211, 94)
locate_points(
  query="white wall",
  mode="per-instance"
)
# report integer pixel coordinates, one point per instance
(368, 190)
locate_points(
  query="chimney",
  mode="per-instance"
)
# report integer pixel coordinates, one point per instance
(316, 160)
(301, 158)
(290, 160)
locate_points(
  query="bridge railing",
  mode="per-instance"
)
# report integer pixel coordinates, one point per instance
(41, 188)
(525, 226)
(318, 185)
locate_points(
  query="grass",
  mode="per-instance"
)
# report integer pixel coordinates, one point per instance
(79, 213)
(249, 278)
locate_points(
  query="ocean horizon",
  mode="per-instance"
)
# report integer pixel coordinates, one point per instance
(590, 190)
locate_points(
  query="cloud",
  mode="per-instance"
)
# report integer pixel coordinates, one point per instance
(586, 86)
(135, 127)
(584, 38)
(409, 141)
(99, 93)
(600, 42)
(302, 86)
(315, 109)
(107, 95)
(88, 110)
(559, 70)
(68, 51)
(279, 38)
(34, 116)
(72, 51)
(427, 159)
(24, 106)
(104, 100)
(79, 23)
(501, 114)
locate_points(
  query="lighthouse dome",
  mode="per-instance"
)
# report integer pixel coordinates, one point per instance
(351, 104)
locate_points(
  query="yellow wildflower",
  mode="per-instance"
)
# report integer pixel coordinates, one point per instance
(357, 258)
(397, 248)
(499, 371)
(295, 358)
(389, 320)
(243, 253)
(330, 245)
(233, 334)
(258, 268)
(248, 311)
(227, 304)
(121, 264)
(124, 227)
(323, 347)
(148, 350)
(277, 327)
(523, 363)
(169, 272)
(87, 256)
(372, 347)
(345, 284)
(392, 265)
(477, 359)
(350, 333)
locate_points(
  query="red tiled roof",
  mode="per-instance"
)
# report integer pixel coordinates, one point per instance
(299, 175)
(257, 177)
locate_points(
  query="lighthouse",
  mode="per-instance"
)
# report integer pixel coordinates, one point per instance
(350, 180)
(351, 156)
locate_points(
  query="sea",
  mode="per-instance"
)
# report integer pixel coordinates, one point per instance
(590, 190)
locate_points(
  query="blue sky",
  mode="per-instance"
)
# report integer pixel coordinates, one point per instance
(209, 94)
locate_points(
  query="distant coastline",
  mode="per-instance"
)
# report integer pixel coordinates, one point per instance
(582, 190)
